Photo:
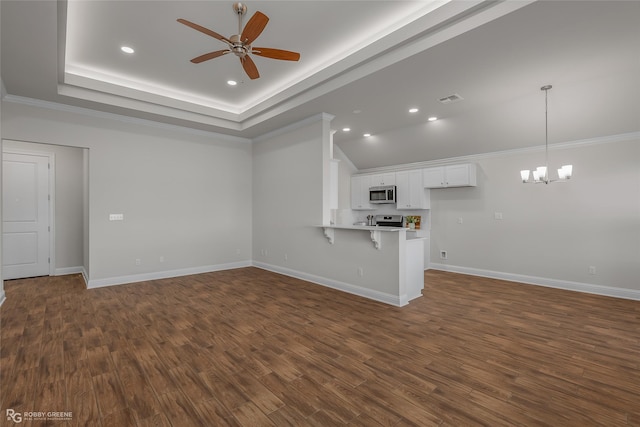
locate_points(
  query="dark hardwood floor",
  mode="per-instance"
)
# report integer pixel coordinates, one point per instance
(248, 347)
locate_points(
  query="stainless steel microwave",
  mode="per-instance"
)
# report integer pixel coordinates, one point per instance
(382, 194)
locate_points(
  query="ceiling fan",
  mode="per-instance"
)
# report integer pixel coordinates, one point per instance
(240, 44)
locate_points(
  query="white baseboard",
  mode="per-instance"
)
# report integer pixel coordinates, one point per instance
(2, 297)
(543, 281)
(68, 270)
(85, 276)
(386, 298)
(121, 280)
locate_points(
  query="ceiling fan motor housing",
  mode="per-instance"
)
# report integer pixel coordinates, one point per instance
(237, 47)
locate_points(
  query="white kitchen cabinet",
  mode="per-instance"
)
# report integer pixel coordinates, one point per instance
(433, 177)
(360, 192)
(411, 194)
(383, 179)
(414, 273)
(462, 175)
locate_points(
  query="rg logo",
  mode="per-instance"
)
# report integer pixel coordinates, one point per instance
(16, 417)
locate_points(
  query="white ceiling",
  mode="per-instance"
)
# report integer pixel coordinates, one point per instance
(365, 62)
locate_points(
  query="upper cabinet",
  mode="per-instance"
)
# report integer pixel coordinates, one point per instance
(360, 192)
(383, 179)
(411, 194)
(462, 175)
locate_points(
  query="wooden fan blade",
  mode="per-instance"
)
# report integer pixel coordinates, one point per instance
(250, 67)
(254, 27)
(267, 52)
(204, 30)
(210, 55)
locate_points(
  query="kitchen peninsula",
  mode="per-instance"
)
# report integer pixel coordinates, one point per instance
(404, 257)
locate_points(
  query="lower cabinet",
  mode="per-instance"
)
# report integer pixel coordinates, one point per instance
(414, 258)
(411, 193)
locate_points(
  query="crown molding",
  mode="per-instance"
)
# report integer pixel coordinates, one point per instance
(119, 117)
(610, 139)
(293, 126)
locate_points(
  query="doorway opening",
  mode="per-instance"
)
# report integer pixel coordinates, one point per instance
(65, 239)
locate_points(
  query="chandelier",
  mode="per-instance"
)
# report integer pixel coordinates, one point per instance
(540, 174)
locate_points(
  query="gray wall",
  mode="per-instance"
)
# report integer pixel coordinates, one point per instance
(553, 231)
(344, 214)
(287, 210)
(2, 297)
(287, 198)
(185, 195)
(85, 215)
(69, 182)
(202, 201)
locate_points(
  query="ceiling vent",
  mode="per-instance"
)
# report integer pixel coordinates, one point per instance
(451, 98)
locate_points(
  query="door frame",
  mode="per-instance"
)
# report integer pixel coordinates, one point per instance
(52, 195)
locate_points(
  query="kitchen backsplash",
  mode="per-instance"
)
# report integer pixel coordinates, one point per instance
(348, 216)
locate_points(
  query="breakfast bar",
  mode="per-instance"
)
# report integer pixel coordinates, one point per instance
(373, 229)
(402, 253)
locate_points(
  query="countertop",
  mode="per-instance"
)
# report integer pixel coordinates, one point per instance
(365, 227)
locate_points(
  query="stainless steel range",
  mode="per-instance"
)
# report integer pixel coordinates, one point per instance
(389, 220)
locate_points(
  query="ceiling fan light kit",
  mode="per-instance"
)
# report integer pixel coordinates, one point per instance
(540, 174)
(240, 44)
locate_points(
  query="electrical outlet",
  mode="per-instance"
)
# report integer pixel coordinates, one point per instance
(360, 271)
(443, 254)
(592, 269)
(460, 221)
(286, 257)
(497, 215)
(161, 258)
(238, 251)
(138, 261)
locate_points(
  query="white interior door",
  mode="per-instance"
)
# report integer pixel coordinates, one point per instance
(25, 215)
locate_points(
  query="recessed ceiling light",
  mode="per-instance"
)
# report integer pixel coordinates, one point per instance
(432, 118)
(232, 82)
(127, 49)
(413, 110)
(346, 129)
(367, 135)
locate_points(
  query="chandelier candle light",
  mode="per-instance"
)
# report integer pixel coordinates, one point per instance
(540, 175)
